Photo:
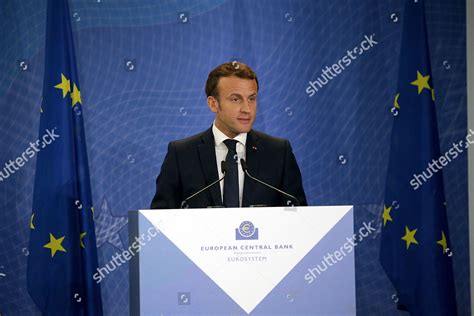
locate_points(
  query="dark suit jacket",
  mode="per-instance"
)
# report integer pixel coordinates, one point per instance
(190, 164)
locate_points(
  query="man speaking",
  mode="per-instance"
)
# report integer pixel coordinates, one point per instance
(254, 169)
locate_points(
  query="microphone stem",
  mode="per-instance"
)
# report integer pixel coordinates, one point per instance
(202, 190)
(271, 186)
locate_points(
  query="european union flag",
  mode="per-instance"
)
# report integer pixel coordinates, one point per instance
(415, 249)
(63, 252)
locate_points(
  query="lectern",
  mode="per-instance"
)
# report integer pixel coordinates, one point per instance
(243, 261)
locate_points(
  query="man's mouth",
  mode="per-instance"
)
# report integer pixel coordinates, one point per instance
(244, 120)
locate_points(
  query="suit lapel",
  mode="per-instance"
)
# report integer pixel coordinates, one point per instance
(207, 156)
(252, 156)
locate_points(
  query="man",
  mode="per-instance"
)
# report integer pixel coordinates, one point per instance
(195, 162)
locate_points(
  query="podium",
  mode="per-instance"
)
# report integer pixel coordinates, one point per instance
(242, 261)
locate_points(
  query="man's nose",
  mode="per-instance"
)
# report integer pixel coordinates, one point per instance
(245, 107)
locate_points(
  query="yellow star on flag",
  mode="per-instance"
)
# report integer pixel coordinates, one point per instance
(421, 82)
(395, 102)
(410, 236)
(386, 214)
(55, 244)
(65, 85)
(76, 96)
(82, 239)
(32, 226)
(432, 95)
(443, 242)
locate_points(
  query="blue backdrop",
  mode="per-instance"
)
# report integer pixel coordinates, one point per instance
(143, 66)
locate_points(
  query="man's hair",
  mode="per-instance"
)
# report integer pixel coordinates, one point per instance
(229, 69)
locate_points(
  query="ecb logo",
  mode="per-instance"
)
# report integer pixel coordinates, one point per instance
(246, 231)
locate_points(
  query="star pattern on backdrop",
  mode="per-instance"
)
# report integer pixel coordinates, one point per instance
(108, 226)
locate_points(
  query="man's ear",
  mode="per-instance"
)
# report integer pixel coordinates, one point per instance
(212, 103)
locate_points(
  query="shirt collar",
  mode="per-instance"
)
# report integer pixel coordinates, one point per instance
(219, 137)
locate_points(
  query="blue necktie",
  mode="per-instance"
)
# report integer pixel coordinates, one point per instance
(231, 182)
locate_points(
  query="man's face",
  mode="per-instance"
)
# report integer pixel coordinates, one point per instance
(236, 105)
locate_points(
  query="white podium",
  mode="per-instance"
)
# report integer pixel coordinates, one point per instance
(243, 261)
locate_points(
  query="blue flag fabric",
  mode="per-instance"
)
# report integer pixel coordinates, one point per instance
(415, 249)
(63, 251)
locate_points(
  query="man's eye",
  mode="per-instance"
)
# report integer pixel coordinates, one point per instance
(253, 99)
(235, 99)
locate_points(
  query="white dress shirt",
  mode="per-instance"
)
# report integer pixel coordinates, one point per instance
(221, 153)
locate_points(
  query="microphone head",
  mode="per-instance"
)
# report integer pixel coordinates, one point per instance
(243, 164)
(223, 166)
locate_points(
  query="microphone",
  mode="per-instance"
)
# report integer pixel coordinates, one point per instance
(245, 168)
(184, 203)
